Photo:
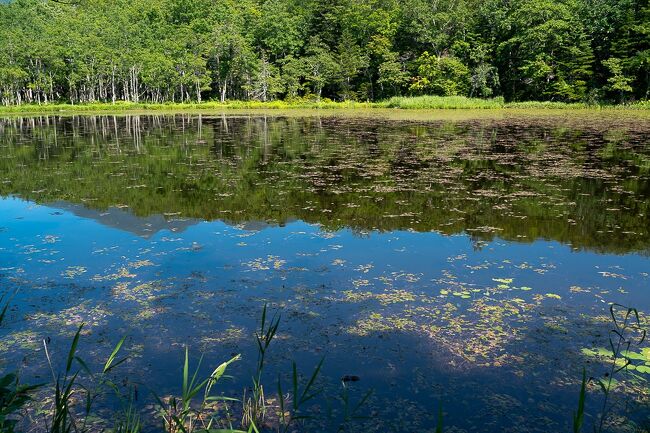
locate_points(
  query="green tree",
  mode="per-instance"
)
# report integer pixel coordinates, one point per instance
(618, 82)
(351, 60)
(320, 66)
(180, 50)
(444, 76)
(547, 54)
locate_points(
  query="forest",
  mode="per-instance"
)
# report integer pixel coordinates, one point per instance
(159, 51)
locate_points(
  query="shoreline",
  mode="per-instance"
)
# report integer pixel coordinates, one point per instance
(416, 104)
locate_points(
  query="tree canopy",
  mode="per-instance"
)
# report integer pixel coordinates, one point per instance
(193, 50)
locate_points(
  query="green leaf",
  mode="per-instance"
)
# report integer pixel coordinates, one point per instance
(643, 369)
(108, 365)
(73, 349)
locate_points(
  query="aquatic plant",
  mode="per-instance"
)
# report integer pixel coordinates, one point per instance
(13, 398)
(180, 414)
(352, 411)
(61, 418)
(196, 410)
(128, 420)
(626, 332)
(255, 405)
(289, 414)
(439, 422)
(13, 395)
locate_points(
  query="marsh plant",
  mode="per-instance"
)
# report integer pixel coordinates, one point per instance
(76, 389)
(254, 410)
(197, 408)
(627, 334)
(291, 409)
(69, 392)
(13, 395)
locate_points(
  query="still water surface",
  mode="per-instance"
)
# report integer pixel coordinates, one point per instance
(465, 261)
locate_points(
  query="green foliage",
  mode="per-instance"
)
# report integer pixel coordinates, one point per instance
(443, 76)
(255, 406)
(289, 414)
(439, 422)
(443, 102)
(484, 80)
(183, 414)
(627, 332)
(61, 417)
(618, 82)
(547, 51)
(196, 410)
(195, 50)
(13, 396)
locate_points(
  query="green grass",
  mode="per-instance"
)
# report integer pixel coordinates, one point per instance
(210, 105)
(441, 102)
(462, 102)
(398, 102)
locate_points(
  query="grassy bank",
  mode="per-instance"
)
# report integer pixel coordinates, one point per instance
(462, 102)
(410, 103)
(207, 106)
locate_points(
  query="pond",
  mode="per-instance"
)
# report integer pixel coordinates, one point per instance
(465, 261)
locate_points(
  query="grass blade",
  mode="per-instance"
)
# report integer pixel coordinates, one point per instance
(108, 366)
(578, 416)
(73, 349)
(439, 421)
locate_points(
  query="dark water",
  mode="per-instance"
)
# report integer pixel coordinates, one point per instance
(469, 262)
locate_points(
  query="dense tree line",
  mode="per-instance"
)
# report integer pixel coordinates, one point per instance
(193, 50)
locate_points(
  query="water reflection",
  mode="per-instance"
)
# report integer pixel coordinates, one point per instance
(467, 262)
(585, 185)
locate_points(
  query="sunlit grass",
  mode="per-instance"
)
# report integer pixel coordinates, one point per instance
(442, 102)
(426, 102)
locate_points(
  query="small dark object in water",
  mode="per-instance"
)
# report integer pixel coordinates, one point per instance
(347, 378)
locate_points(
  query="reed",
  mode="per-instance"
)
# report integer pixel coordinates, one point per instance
(62, 417)
(181, 415)
(254, 410)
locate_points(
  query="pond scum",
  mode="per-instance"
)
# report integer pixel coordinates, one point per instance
(68, 402)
